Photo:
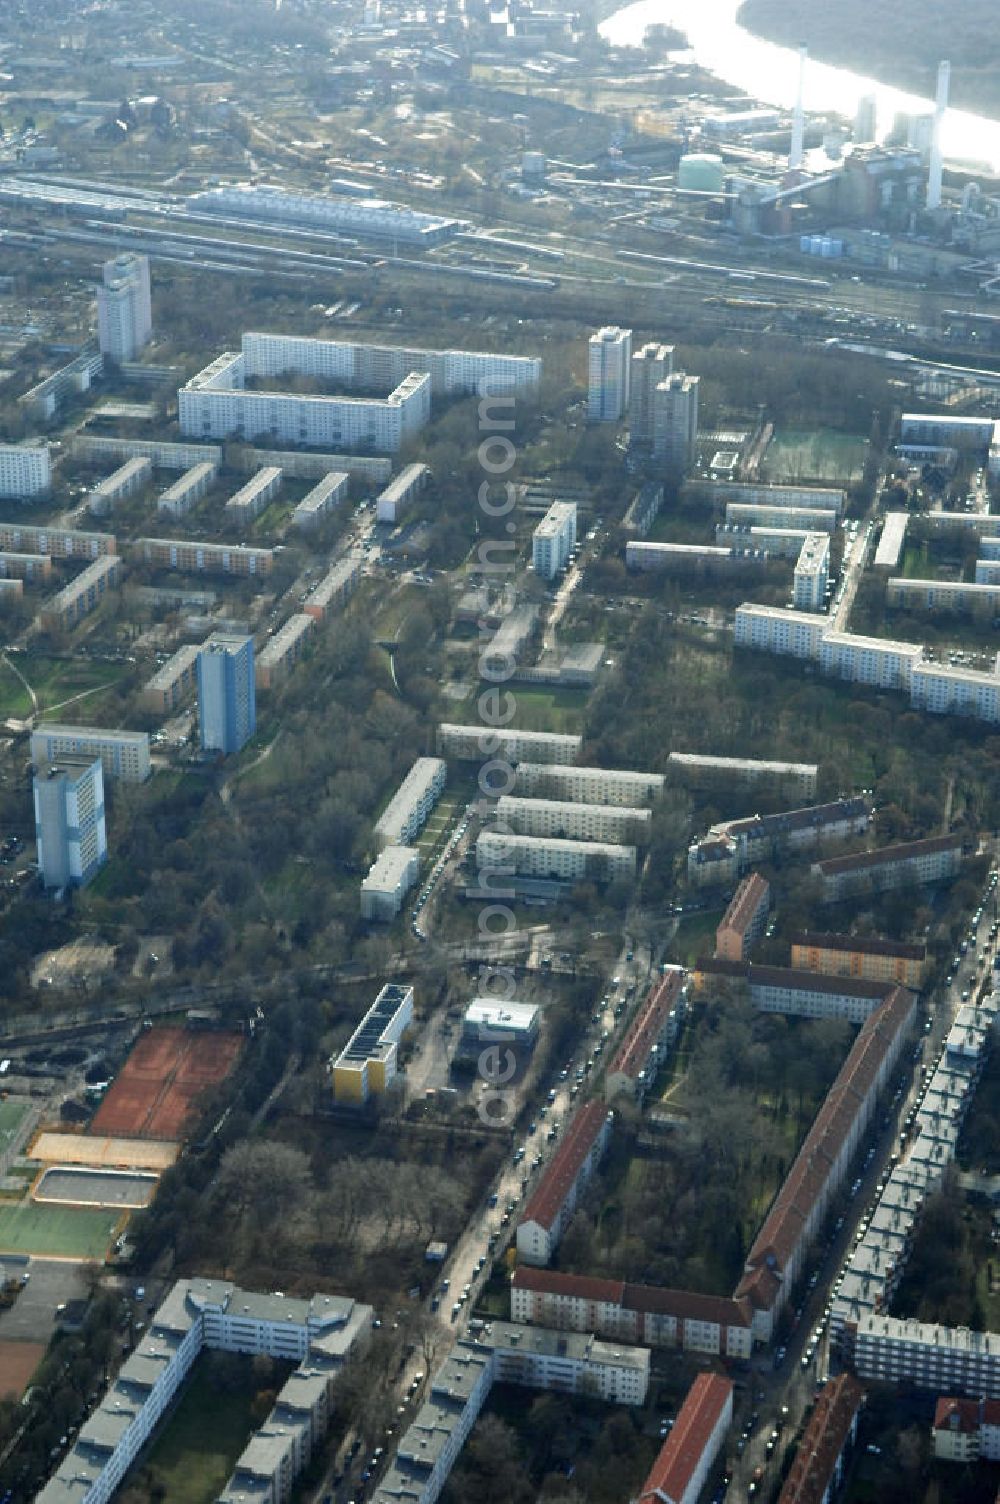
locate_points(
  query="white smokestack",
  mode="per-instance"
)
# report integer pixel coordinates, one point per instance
(934, 167)
(798, 119)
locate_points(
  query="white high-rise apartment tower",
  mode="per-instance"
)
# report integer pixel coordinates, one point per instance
(675, 422)
(124, 307)
(608, 374)
(650, 365)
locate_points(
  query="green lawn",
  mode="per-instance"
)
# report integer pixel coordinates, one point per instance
(63, 1231)
(11, 1117)
(541, 709)
(695, 936)
(192, 1458)
(55, 680)
(14, 698)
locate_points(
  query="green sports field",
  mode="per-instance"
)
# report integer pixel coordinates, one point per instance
(62, 1231)
(11, 1118)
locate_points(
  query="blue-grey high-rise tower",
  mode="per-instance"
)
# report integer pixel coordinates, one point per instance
(227, 700)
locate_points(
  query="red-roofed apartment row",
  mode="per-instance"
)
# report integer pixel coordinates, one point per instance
(623, 1312)
(775, 1260)
(655, 1024)
(553, 1200)
(818, 1466)
(966, 1430)
(679, 1472)
(745, 919)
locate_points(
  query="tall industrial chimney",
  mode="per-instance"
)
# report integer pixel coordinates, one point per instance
(934, 167)
(798, 119)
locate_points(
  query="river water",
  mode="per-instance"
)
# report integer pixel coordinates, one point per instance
(770, 73)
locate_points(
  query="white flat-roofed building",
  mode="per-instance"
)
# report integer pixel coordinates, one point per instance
(982, 523)
(321, 500)
(173, 681)
(563, 781)
(25, 470)
(406, 813)
(944, 690)
(943, 595)
(335, 588)
(164, 454)
(615, 823)
(493, 1020)
(700, 770)
(948, 430)
(192, 556)
(812, 519)
(898, 1350)
(276, 659)
(199, 1314)
(466, 743)
(208, 409)
(187, 489)
(773, 629)
(677, 558)
(776, 542)
(57, 542)
(367, 1064)
(890, 545)
(410, 481)
(570, 1362)
(812, 571)
(11, 590)
(70, 831)
(870, 660)
(389, 879)
(120, 484)
(744, 493)
(83, 594)
(452, 372)
(989, 548)
(124, 754)
(609, 361)
(30, 567)
(553, 540)
(988, 571)
(250, 500)
(550, 857)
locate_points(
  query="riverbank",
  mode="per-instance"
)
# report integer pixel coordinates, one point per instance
(899, 41)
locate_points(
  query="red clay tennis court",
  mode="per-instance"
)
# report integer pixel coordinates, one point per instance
(161, 1080)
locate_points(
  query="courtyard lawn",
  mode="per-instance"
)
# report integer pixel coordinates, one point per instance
(59, 1231)
(191, 1459)
(695, 936)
